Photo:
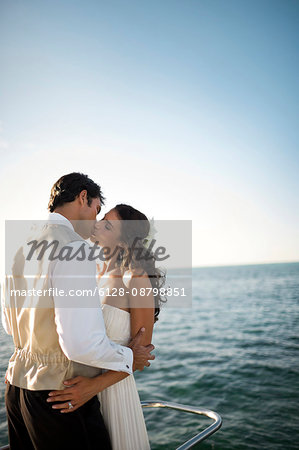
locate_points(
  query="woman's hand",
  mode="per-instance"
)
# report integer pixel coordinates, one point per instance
(80, 390)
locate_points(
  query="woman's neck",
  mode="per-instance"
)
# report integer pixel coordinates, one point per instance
(112, 263)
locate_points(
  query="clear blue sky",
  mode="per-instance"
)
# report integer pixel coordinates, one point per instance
(201, 97)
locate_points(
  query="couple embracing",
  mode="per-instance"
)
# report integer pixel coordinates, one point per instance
(70, 382)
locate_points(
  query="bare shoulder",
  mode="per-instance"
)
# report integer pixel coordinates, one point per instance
(136, 279)
(140, 288)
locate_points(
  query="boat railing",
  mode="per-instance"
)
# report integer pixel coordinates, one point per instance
(185, 408)
(194, 410)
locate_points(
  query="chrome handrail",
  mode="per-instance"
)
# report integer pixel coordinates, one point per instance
(190, 409)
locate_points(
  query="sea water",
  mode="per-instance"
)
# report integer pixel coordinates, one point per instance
(236, 352)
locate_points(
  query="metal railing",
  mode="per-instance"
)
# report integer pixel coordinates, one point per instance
(190, 409)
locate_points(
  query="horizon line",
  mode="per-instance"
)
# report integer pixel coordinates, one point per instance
(247, 264)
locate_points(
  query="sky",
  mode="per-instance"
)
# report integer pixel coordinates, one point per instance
(183, 109)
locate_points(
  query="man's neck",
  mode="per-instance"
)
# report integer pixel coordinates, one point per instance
(68, 214)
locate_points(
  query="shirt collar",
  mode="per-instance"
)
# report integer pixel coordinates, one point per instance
(56, 217)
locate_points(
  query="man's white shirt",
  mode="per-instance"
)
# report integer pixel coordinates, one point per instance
(81, 330)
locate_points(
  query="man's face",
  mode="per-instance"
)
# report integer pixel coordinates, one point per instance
(88, 214)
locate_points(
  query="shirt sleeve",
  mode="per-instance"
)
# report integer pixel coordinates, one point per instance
(79, 319)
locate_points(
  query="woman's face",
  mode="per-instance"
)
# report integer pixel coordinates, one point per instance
(107, 232)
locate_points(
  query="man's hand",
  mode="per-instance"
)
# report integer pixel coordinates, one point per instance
(141, 353)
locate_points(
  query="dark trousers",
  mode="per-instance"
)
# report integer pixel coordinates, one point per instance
(34, 425)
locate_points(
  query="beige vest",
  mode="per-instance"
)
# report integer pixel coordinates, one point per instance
(38, 362)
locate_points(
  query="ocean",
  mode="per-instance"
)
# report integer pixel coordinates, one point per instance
(236, 352)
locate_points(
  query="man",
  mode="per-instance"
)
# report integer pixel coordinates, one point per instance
(60, 334)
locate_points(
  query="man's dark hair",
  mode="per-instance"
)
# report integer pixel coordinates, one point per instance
(69, 186)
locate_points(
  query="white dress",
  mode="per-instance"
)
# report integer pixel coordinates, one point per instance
(120, 403)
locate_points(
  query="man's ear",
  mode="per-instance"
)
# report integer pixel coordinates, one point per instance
(83, 197)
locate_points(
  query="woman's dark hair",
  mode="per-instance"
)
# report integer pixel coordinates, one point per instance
(69, 186)
(133, 234)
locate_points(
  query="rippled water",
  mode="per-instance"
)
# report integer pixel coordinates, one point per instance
(235, 352)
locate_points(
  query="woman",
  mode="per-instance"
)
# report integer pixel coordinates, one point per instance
(126, 283)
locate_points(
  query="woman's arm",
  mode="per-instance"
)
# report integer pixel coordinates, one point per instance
(142, 307)
(81, 389)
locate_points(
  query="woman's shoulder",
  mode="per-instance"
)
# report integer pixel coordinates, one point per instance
(135, 278)
(140, 292)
